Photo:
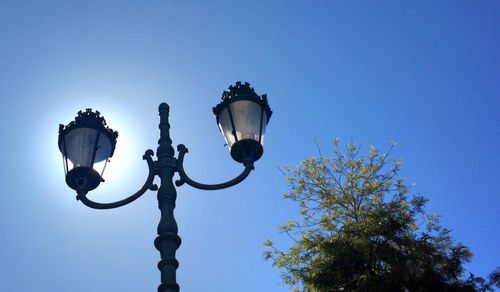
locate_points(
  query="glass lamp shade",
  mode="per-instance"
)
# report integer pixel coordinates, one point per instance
(86, 145)
(242, 117)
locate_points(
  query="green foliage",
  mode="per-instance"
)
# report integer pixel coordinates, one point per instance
(361, 230)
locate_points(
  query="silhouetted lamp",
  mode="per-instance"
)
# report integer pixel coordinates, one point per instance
(86, 145)
(242, 117)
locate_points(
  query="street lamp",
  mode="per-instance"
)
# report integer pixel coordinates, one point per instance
(87, 144)
(84, 144)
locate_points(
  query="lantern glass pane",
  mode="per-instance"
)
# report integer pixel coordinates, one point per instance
(264, 124)
(104, 148)
(226, 128)
(80, 147)
(64, 164)
(247, 119)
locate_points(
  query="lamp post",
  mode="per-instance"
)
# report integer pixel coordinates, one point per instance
(87, 144)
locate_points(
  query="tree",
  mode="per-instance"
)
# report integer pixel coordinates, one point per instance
(361, 230)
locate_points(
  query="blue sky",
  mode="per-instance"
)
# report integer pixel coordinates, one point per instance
(422, 73)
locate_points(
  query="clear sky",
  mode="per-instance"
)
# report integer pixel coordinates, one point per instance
(422, 73)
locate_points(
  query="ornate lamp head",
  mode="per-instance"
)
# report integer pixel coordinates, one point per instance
(242, 117)
(86, 144)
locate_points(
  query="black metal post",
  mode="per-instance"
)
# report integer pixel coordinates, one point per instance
(167, 241)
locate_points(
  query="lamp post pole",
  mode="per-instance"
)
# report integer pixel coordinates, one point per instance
(167, 241)
(242, 116)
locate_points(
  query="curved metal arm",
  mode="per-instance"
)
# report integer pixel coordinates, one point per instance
(148, 185)
(185, 178)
